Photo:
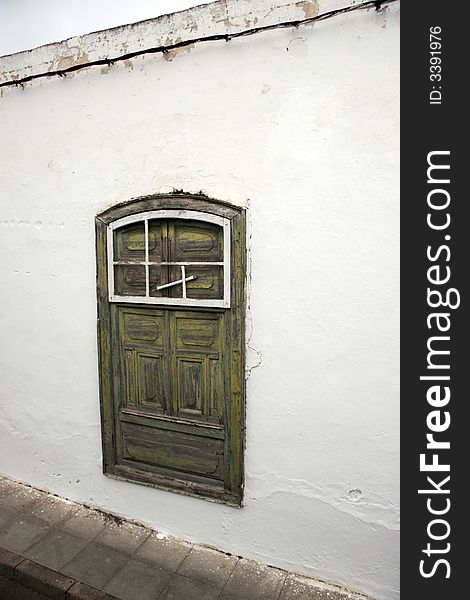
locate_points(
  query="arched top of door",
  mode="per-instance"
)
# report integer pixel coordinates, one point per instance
(194, 202)
(170, 250)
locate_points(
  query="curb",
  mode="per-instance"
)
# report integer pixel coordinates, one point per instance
(24, 578)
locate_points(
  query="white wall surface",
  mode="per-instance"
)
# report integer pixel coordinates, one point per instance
(302, 126)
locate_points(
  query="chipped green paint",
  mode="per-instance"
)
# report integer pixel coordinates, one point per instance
(172, 379)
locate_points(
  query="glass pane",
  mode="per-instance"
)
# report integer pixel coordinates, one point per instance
(208, 282)
(129, 280)
(158, 276)
(156, 231)
(195, 241)
(129, 243)
(175, 291)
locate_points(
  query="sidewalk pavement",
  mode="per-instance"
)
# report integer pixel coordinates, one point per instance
(54, 548)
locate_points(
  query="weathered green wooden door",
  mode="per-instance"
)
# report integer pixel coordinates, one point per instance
(174, 301)
(171, 365)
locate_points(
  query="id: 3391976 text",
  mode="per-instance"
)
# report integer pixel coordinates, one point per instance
(435, 65)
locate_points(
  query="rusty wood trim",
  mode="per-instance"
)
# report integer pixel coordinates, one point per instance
(185, 488)
(236, 330)
(177, 201)
(104, 347)
(172, 424)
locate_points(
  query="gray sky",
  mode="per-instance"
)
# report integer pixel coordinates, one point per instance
(25, 24)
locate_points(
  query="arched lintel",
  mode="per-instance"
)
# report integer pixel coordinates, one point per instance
(176, 201)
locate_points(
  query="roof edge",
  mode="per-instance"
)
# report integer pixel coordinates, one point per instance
(224, 17)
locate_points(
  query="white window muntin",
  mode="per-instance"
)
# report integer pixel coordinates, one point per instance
(169, 214)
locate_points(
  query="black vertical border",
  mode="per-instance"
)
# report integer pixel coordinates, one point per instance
(427, 128)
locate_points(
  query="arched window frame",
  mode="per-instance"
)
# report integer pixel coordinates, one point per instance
(145, 217)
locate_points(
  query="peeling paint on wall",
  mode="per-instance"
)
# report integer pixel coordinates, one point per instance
(171, 54)
(106, 69)
(223, 17)
(310, 8)
(64, 62)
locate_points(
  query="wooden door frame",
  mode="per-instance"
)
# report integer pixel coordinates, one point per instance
(235, 330)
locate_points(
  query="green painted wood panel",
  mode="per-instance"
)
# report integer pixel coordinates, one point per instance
(171, 363)
(174, 451)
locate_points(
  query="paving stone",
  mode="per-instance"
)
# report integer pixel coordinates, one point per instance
(21, 533)
(303, 588)
(165, 552)
(122, 536)
(208, 566)
(12, 590)
(85, 524)
(8, 562)
(95, 565)
(53, 510)
(138, 580)
(18, 496)
(182, 588)
(7, 515)
(81, 591)
(255, 581)
(42, 580)
(55, 550)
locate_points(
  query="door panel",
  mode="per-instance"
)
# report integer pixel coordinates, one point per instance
(157, 232)
(150, 373)
(141, 325)
(129, 243)
(129, 280)
(199, 364)
(191, 381)
(172, 367)
(128, 386)
(181, 453)
(141, 357)
(195, 241)
(199, 332)
(158, 275)
(208, 282)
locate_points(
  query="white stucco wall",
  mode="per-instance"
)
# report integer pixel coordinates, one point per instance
(301, 126)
